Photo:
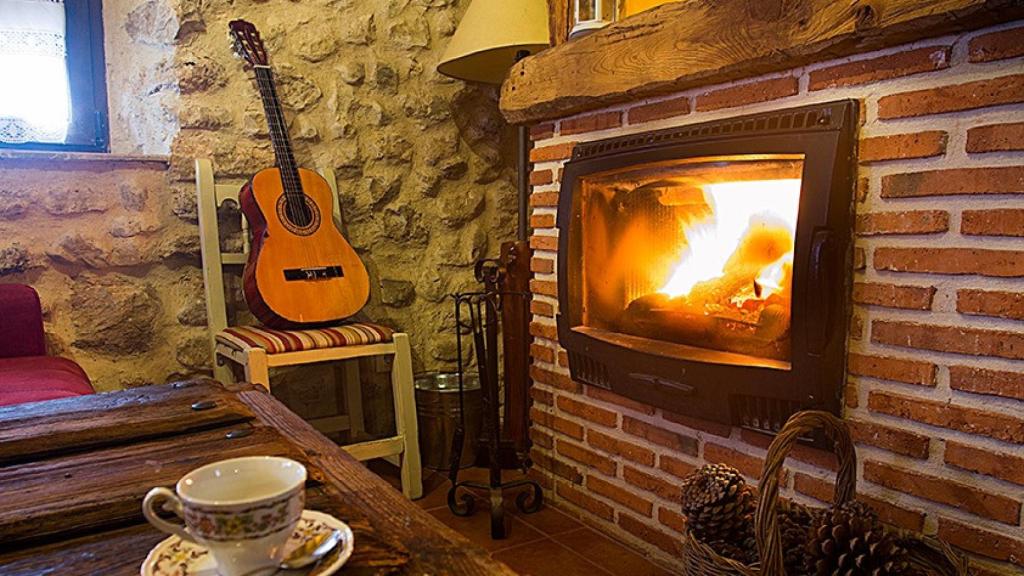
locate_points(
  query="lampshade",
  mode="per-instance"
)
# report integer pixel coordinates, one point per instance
(491, 34)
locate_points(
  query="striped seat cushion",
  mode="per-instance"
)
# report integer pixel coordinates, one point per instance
(279, 341)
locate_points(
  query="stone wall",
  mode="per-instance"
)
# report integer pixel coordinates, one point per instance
(111, 243)
(936, 349)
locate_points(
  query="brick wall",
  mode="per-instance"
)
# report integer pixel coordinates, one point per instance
(935, 396)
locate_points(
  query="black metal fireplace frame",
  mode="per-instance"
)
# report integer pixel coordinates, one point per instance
(760, 398)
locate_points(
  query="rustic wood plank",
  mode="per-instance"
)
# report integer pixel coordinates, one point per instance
(103, 488)
(41, 429)
(433, 547)
(558, 21)
(686, 44)
(120, 552)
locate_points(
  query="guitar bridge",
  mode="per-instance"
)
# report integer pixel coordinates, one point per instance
(315, 273)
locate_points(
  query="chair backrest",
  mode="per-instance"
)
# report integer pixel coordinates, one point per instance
(210, 196)
(21, 322)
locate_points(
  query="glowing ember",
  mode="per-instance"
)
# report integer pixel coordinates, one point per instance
(741, 230)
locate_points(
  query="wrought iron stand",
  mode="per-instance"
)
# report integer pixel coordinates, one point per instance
(496, 452)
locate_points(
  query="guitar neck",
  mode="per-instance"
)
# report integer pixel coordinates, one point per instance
(278, 131)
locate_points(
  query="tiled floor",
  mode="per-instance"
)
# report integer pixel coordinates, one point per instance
(546, 543)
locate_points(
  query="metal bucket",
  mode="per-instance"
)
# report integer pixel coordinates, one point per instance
(437, 409)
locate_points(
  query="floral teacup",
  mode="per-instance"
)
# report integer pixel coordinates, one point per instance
(242, 510)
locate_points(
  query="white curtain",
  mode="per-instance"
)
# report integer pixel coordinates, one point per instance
(35, 101)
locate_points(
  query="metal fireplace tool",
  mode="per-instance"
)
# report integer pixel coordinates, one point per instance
(501, 447)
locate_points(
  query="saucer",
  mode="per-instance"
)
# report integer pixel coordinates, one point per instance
(176, 557)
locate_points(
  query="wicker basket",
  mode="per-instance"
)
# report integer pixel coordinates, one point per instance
(928, 556)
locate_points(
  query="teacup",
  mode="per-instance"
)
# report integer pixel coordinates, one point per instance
(242, 510)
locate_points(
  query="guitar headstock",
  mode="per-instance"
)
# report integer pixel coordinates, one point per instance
(247, 44)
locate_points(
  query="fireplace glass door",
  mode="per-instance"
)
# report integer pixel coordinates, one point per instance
(692, 258)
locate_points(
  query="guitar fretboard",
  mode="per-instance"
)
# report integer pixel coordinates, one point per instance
(290, 181)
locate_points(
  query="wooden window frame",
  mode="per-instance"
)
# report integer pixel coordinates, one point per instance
(87, 79)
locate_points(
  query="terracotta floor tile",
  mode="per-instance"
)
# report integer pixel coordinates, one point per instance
(610, 555)
(547, 520)
(547, 558)
(478, 528)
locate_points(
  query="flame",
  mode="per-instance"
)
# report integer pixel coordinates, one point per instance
(771, 280)
(738, 209)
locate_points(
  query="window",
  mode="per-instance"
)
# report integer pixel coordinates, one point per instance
(53, 92)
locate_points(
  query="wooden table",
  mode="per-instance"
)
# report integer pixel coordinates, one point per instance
(73, 474)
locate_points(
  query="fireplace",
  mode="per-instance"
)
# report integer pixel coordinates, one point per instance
(705, 269)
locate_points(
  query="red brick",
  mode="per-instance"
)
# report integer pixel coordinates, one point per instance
(659, 110)
(896, 369)
(813, 456)
(990, 303)
(585, 501)
(590, 123)
(996, 138)
(560, 381)
(627, 450)
(745, 463)
(556, 423)
(670, 544)
(957, 339)
(541, 177)
(889, 513)
(988, 382)
(672, 519)
(896, 65)
(902, 146)
(541, 396)
(545, 287)
(675, 466)
(542, 131)
(955, 181)
(542, 199)
(542, 265)
(660, 436)
(542, 353)
(563, 359)
(997, 45)
(850, 398)
(860, 259)
(543, 242)
(666, 490)
(910, 222)
(716, 428)
(888, 438)
(998, 545)
(635, 502)
(541, 308)
(967, 96)
(749, 93)
(543, 330)
(542, 439)
(863, 187)
(613, 398)
(551, 153)
(961, 496)
(542, 221)
(541, 477)
(997, 222)
(984, 461)
(587, 411)
(893, 295)
(856, 327)
(585, 456)
(947, 415)
(997, 263)
(557, 467)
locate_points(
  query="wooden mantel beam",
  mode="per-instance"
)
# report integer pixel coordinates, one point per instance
(698, 42)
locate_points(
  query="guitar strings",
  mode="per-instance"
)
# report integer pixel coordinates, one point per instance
(295, 202)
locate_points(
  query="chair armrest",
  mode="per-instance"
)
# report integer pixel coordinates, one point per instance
(21, 322)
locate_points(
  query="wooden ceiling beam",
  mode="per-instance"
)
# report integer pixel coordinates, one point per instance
(699, 42)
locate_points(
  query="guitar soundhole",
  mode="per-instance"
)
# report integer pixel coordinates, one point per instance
(299, 218)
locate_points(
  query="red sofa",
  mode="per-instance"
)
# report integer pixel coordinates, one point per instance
(27, 374)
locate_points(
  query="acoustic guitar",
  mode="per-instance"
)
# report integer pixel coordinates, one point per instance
(301, 270)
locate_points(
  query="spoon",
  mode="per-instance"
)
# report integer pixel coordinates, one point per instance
(304, 557)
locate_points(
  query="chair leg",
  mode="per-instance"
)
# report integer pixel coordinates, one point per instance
(256, 369)
(405, 417)
(353, 398)
(221, 371)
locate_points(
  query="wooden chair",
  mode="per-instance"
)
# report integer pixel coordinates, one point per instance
(256, 349)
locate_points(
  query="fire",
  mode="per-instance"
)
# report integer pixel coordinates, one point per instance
(750, 224)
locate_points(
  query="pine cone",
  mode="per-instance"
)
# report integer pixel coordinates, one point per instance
(719, 509)
(795, 523)
(850, 540)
